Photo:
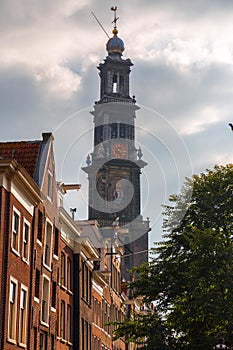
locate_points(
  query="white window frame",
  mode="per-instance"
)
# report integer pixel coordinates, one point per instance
(23, 341)
(45, 322)
(26, 222)
(10, 338)
(17, 212)
(48, 223)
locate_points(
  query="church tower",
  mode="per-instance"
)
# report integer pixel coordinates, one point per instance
(115, 165)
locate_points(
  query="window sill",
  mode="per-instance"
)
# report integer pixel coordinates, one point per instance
(12, 341)
(47, 267)
(44, 324)
(39, 242)
(37, 300)
(15, 251)
(70, 292)
(53, 309)
(63, 287)
(86, 302)
(21, 345)
(55, 256)
(50, 199)
(26, 261)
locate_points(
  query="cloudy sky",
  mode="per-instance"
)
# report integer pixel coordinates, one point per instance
(182, 79)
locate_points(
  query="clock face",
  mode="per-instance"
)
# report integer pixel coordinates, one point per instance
(119, 150)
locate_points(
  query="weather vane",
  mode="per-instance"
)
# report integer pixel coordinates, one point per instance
(115, 17)
(115, 31)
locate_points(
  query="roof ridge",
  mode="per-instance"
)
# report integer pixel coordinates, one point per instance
(22, 141)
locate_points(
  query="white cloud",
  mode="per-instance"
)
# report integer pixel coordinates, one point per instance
(199, 122)
(60, 81)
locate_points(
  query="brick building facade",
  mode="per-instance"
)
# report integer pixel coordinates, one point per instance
(58, 288)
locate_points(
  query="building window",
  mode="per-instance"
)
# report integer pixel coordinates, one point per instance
(26, 240)
(96, 343)
(50, 185)
(40, 226)
(106, 316)
(15, 231)
(12, 309)
(62, 320)
(69, 287)
(86, 335)
(56, 241)
(37, 284)
(63, 269)
(86, 283)
(54, 294)
(52, 342)
(45, 301)
(48, 244)
(23, 315)
(43, 341)
(96, 312)
(68, 321)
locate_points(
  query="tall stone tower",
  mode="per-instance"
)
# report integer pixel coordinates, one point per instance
(115, 165)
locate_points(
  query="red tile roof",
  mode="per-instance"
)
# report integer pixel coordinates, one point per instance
(24, 152)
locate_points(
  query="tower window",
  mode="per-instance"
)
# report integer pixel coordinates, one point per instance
(130, 132)
(121, 84)
(98, 134)
(122, 130)
(114, 131)
(114, 84)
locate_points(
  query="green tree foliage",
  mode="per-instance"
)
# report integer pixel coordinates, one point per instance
(190, 277)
